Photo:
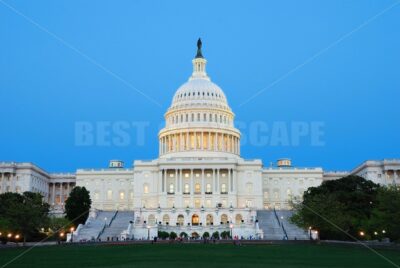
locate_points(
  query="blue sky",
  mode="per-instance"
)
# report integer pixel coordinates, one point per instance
(333, 71)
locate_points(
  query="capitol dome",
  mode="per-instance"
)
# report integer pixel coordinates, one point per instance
(199, 122)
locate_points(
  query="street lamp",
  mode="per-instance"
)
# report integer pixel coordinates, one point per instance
(362, 233)
(309, 232)
(9, 235)
(231, 227)
(72, 234)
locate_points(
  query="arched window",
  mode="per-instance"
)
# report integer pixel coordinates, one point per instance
(224, 218)
(180, 220)
(238, 218)
(121, 195)
(145, 188)
(187, 117)
(192, 118)
(209, 219)
(151, 219)
(198, 117)
(165, 219)
(171, 188)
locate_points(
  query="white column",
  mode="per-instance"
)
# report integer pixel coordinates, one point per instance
(216, 141)
(181, 181)
(209, 141)
(203, 186)
(187, 140)
(191, 183)
(61, 194)
(229, 181)
(218, 190)
(201, 140)
(165, 179)
(176, 181)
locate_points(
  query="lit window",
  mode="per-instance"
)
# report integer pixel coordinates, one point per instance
(171, 188)
(109, 194)
(121, 195)
(223, 188)
(146, 188)
(208, 188)
(186, 188)
(197, 188)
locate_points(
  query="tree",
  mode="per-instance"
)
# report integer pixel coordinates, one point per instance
(25, 213)
(173, 235)
(385, 219)
(78, 205)
(183, 235)
(215, 235)
(337, 207)
(163, 235)
(206, 235)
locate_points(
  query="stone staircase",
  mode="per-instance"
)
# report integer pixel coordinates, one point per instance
(269, 224)
(93, 226)
(293, 232)
(117, 226)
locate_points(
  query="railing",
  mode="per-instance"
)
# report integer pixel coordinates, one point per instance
(113, 217)
(102, 231)
(280, 224)
(284, 230)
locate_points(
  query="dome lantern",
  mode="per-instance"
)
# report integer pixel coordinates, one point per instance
(199, 64)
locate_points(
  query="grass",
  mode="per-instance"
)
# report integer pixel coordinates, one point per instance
(198, 255)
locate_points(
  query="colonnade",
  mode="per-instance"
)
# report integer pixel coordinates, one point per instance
(58, 189)
(202, 140)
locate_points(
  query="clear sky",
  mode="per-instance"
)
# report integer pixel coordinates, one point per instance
(334, 64)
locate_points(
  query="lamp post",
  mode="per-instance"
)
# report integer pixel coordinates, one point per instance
(148, 232)
(309, 232)
(72, 234)
(231, 227)
(17, 238)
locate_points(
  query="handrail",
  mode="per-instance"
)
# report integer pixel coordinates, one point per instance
(113, 218)
(276, 216)
(102, 231)
(284, 230)
(281, 224)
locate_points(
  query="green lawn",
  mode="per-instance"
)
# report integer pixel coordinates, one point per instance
(199, 255)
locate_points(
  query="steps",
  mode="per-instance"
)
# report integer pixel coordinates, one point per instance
(93, 226)
(117, 226)
(293, 232)
(268, 223)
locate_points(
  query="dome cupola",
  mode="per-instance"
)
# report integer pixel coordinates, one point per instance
(199, 122)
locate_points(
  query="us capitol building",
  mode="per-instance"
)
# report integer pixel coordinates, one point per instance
(199, 182)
